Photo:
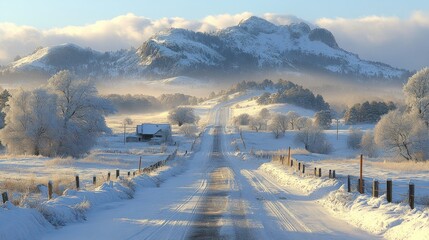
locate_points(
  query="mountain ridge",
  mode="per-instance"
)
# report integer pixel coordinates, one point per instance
(255, 44)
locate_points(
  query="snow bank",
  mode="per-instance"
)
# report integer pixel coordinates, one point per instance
(71, 207)
(375, 215)
(21, 223)
(310, 185)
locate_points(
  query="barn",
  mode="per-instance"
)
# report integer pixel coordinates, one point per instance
(153, 132)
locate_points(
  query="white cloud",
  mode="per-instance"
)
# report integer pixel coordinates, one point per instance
(399, 42)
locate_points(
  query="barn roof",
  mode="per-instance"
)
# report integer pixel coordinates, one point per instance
(152, 128)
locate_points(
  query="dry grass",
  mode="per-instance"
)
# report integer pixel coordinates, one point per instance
(22, 189)
(60, 162)
(409, 166)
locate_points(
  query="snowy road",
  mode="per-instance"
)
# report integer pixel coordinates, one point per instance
(217, 196)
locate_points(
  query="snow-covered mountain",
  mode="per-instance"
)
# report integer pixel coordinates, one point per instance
(253, 45)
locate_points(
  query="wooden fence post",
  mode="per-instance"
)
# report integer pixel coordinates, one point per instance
(117, 173)
(361, 186)
(333, 173)
(288, 156)
(303, 168)
(315, 172)
(129, 173)
(411, 195)
(330, 173)
(375, 188)
(94, 180)
(320, 172)
(299, 166)
(349, 187)
(361, 175)
(291, 163)
(108, 176)
(50, 190)
(389, 190)
(77, 182)
(140, 165)
(134, 173)
(4, 196)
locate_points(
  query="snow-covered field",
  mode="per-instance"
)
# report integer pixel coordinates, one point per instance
(276, 200)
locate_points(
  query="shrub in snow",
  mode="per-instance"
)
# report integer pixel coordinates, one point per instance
(354, 138)
(314, 140)
(368, 146)
(417, 94)
(242, 119)
(323, 119)
(403, 134)
(182, 115)
(189, 130)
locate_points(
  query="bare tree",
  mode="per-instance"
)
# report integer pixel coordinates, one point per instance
(303, 122)
(127, 121)
(182, 115)
(280, 122)
(403, 134)
(257, 123)
(292, 118)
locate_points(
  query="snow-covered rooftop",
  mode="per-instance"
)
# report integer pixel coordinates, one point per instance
(152, 128)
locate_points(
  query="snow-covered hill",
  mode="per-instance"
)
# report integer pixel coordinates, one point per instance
(253, 45)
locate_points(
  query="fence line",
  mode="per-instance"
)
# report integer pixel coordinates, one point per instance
(78, 181)
(354, 183)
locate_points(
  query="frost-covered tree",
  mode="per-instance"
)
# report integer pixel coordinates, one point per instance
(280, 121)
(292, 117)
(354, 138)
(368, 146)
(403, 134)
(417, 94)
(303, 122)
(80, 111)
(32, 124)
(182, 115)
(323, 119)
(314, 140)
(4, 97)
(265, 114)
(189, 130)
(257, 123)
(242, 119)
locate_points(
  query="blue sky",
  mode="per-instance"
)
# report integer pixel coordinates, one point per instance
(390, 31)
(45, 14)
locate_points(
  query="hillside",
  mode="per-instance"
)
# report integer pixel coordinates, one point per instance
(254, 45)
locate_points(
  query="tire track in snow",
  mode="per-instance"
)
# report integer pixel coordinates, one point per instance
(168, 225)
(274, 204)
